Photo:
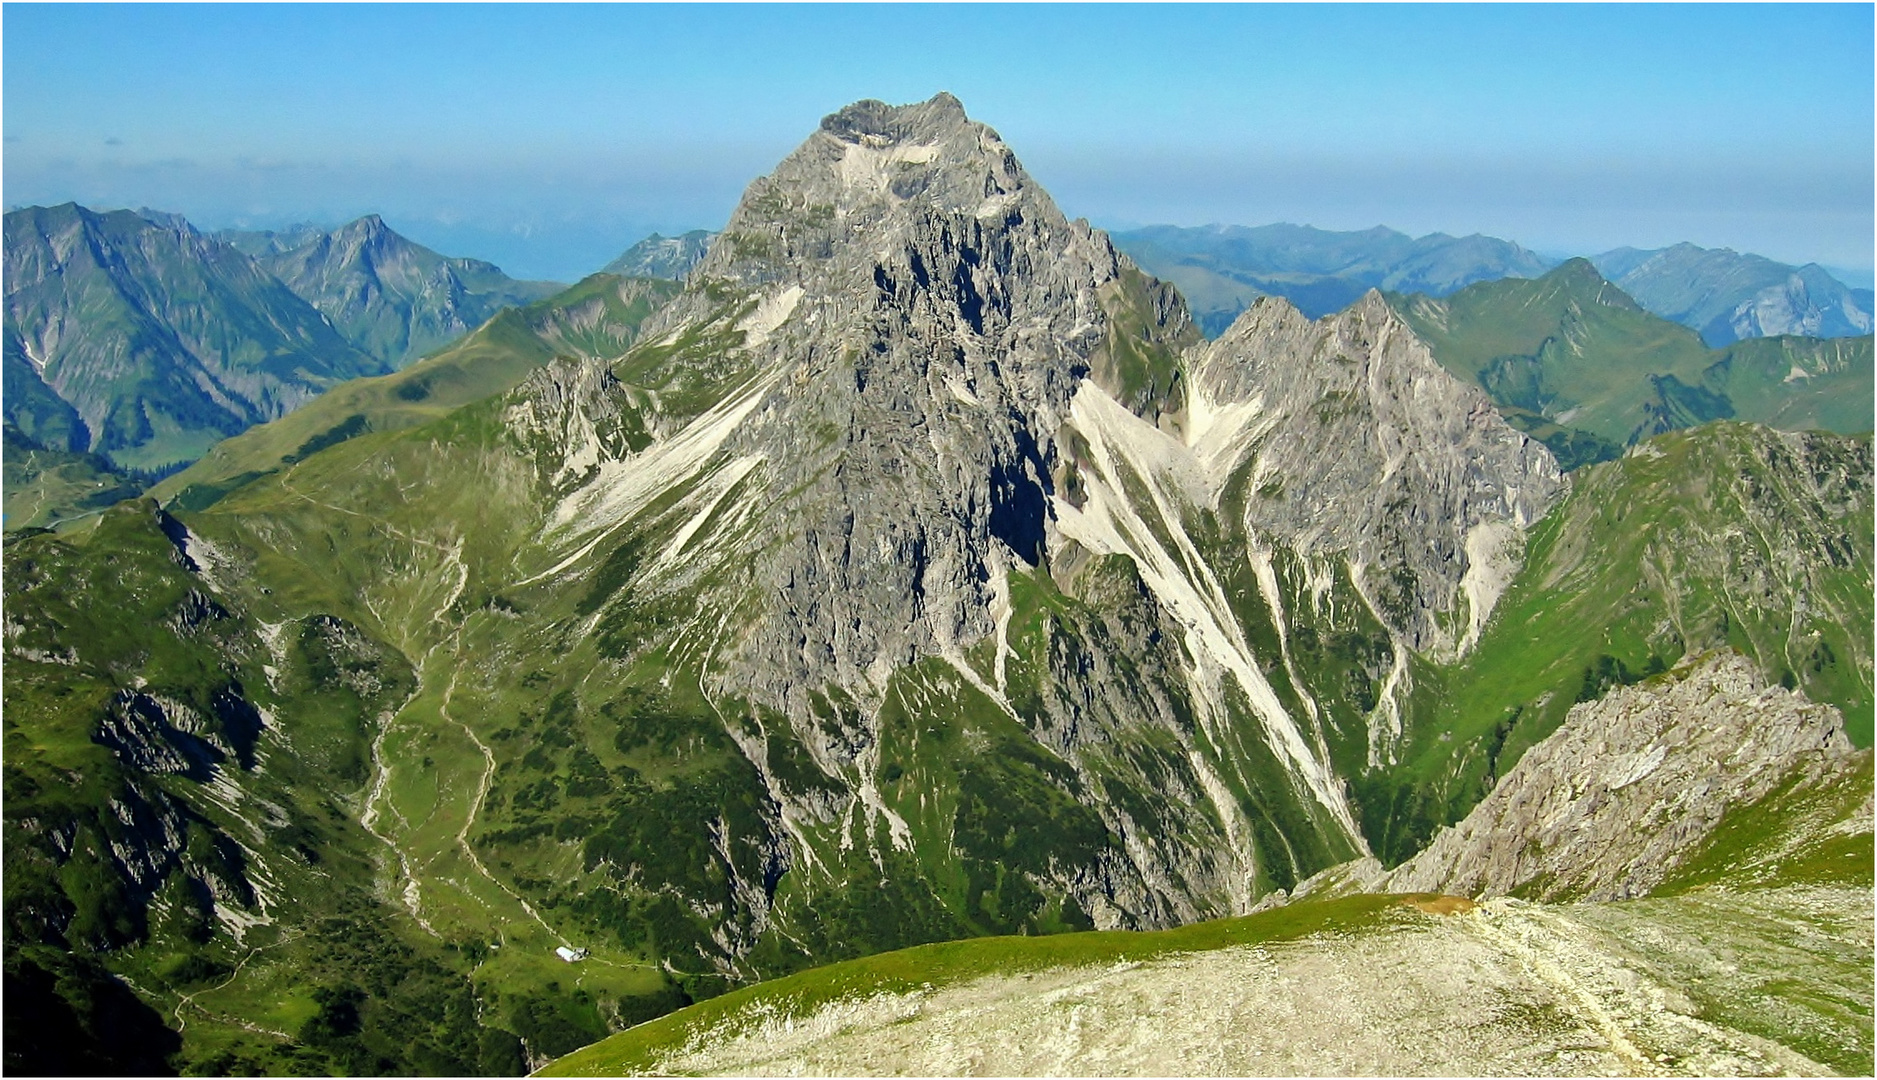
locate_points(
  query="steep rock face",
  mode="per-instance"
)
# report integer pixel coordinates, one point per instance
(1611, 803)
(909, 318)
(161, 340)
(1358, 442)
(878, 353)
(838, 456)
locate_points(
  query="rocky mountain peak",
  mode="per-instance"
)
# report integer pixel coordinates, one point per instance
(901, 384)
(1363, 445)
(370, 239)
(922, 122)
(873, 172)
(668, 257)
(889, 330)
(371, 225)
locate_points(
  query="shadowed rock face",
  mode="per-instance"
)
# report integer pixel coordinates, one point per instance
(911, 316)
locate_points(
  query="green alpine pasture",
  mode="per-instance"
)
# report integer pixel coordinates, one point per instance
(598, 317)
(1726, 535)
(1573, 361)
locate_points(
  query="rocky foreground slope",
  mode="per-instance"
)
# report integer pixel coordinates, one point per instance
(1674, 987)
(1631, 786)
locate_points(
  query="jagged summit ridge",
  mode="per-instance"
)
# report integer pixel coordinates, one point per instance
(1363, 445)
(907, 318)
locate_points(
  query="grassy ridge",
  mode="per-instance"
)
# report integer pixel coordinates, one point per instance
(1573, 361)
(927, 966)
(597, 317)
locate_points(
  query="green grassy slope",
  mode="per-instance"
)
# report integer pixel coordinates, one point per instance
(146, 773)
(597, 317)
(560, 771)
(537, 752)
(1798, 383)
(1576, 363)
(44, 487)
(1726, 534)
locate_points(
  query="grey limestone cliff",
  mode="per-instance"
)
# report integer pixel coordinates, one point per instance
(1358, 442)
(901, 386)
(1610, 804)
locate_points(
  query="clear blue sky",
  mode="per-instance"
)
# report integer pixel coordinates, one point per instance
(548, 137)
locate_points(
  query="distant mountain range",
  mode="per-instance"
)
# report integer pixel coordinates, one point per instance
(147, 341)
(1575, 362)
(1220, 269)
(1723, 295)
(668, 257)
(134, 342)
(395, 299)
(1728, 296)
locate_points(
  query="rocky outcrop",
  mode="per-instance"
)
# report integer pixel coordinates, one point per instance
(1607, 806)
(1358, 443)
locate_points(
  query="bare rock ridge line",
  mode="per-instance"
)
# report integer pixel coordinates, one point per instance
(1614, 801)
(1380, 454)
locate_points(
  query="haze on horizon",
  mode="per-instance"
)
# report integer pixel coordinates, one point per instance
(546, 138)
